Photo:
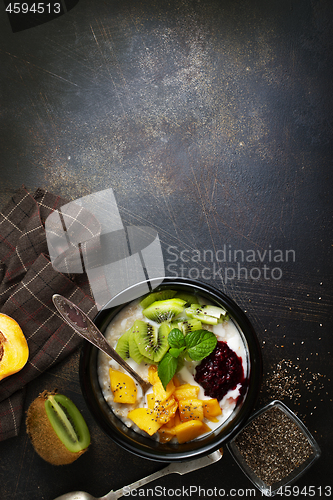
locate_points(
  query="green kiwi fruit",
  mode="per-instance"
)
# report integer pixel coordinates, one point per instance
(188, 297)
(153, 296)
(164, 310)
(188, 325)
(122, 347)
(134, 351)
(151, 343)
(57, 429)
(165, 328)
(207, 314)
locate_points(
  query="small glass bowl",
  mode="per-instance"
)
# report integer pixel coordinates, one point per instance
(296, 473)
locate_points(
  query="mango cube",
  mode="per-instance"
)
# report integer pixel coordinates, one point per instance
(152, 374)
(123, 387)
(191, 409)
(186, 431)
(166, 434)
(212, 409)
(145, 419)
(165, 410)
(186, 391)
(160, 393)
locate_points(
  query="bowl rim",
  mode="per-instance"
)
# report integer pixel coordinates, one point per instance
(143, 446)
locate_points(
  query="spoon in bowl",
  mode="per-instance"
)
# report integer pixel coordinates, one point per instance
(174, 468)
(83, 326)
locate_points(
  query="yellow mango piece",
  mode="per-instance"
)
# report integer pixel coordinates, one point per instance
(160, 393)
(177, 417)
(186, 391)
(186, 431)
(212, 409)
(175, 420)
(205, 428)
(14, 350)
(191, 409)
(176, 381)
(145, 419)
(152, 374)
(166, 434)
(165, 410)
(151, 400)
(123, 387)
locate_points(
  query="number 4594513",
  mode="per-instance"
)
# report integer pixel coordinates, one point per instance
(36, 8)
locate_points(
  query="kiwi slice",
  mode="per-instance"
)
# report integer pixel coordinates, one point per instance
(189, 325)
(151, 343)
(56, 428)
(207, 314)
(165, 328)
(188, 297)
(164, 310)
(152, 297)
(122, 346)
(134, 351)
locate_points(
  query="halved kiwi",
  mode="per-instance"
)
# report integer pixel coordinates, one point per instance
(164, 310)
(57, 430)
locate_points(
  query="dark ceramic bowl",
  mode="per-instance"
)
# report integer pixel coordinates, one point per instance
(169, 452)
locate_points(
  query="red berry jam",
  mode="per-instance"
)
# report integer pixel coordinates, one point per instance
(220, 372)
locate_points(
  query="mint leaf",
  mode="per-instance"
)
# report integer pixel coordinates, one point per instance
(176, 338)
(200, 344)
(167, 368)
(176, 352)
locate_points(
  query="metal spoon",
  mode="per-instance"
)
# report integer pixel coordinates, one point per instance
(174, 468)
(83, 325)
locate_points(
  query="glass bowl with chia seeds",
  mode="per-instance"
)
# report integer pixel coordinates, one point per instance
(274, 449)
(128, 328)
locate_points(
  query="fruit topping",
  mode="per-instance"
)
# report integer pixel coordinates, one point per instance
(207, 314)
(151, 341)
(123, 387)
(145, 419)
(154, 296)
(220, 372)
(191, 409)
(164, 310)
(169, 409)
(186, 431)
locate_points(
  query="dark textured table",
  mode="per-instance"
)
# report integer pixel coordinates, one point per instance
(212, 122)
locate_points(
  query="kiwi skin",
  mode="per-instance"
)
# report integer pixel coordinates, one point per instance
(43, 438)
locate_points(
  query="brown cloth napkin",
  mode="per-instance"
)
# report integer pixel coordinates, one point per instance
(27, 283)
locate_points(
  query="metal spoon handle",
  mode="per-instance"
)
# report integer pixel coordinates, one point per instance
(174, 468)
(87, 329)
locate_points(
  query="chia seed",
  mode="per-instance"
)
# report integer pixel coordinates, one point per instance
(273, 446)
